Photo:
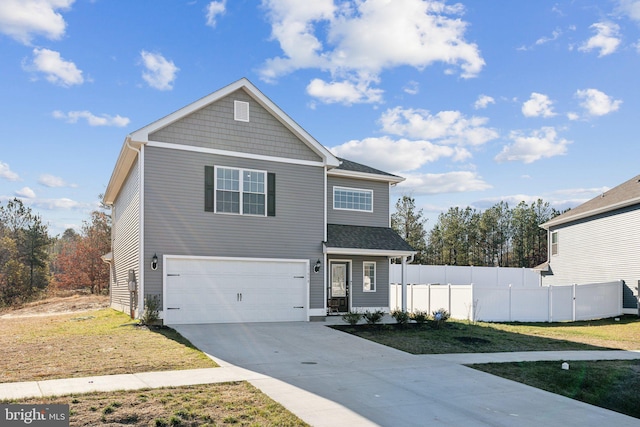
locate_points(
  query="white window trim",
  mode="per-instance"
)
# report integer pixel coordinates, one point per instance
(364, 276)
(240, 109)
(241, 191)
(554, 253)
(364, 190)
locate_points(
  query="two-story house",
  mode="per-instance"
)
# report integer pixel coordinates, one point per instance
(598, 241)
(228, 211)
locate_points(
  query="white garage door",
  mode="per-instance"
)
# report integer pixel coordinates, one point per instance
(228, 290)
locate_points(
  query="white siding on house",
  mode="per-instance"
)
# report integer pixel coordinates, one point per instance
(602, 249)
(126, 238)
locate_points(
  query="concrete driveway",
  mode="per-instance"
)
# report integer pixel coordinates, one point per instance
(330, 378)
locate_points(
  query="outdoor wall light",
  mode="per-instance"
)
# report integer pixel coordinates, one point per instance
(154, 262)
(316, 267)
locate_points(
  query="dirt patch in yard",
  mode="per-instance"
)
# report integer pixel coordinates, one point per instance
(58, 305)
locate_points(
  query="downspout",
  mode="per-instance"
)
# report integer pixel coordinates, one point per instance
(140, 290)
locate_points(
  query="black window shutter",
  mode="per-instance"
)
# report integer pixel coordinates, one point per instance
(271, 194)
(209, 188)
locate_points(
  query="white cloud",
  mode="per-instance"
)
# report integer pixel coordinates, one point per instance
(344, 92)
(412, 88)
(23, 19)
(554, 36)
(597, 103)
(63, 203)
(214, 9)
(542, 143)
(26, 192)
(631, 8)
(57, 70)
(337, 36)
(397, 155)
(539, 105)
(448, 127)
(7, 173)
(483, 102)
(92, 120)
(606, 39)
(53, 181)
(160, 72)
(573, 116)
(438, 183)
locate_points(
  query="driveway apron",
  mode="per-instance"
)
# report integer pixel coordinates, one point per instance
(331, 378)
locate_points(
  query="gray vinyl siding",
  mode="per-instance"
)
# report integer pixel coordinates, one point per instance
(125, 240)
(380, 215)
(214, 127)
(177, 224)
(359, 298)
(599, 249)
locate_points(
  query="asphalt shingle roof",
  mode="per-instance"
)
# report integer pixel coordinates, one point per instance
(348, 165)
(362, 237)
(609, 200)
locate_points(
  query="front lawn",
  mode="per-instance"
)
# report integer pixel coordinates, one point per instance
(455, 336)
(237, 404)
(101, 342)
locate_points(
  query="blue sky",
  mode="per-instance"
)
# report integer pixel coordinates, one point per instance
(473, 102)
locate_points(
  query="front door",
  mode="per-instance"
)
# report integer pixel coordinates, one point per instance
(338, 291)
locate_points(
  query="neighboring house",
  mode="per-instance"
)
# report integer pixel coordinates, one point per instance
(228, 211)
(598, 241)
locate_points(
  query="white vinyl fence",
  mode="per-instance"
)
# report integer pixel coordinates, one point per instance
(521, 301)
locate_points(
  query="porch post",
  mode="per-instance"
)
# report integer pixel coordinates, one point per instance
(404, 283)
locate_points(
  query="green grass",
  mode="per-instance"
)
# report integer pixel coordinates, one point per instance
(609, 384)
(456, 336)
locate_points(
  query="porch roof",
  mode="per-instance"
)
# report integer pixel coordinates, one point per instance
(363, 240)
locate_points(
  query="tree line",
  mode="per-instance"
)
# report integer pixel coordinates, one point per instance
(499, 236)
(32, 263)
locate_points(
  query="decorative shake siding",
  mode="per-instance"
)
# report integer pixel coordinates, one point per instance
(601, 249)
(126, 237)
(380, 215)
(177, 224)
(215, 127)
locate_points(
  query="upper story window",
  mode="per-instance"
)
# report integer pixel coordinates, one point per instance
(353, 199)
(240, 191)
(554, 243)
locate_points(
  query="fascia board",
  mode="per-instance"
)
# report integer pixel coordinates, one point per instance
(554, 222)
(125, 161)
(364, 175)
(367, 252)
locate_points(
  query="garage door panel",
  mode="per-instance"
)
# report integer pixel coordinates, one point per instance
(223, 290)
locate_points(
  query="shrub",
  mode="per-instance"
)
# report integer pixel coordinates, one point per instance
(420, 317)
(440, 316)
(352, 318)
(401, 316)
(373, 317)
(151, 312)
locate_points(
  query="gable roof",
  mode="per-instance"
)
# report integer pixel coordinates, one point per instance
(352, 169)
(363, 240)
(622, 196)
(134, 140)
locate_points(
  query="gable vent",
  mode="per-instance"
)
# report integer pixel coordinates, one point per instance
(241, 111)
